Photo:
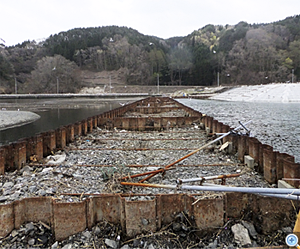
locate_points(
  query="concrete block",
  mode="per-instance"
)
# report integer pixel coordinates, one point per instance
(249, 161)
(207, 129)
(230, 148)
(283, 184)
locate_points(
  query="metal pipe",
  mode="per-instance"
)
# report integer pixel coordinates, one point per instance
(288, 197)
(195, 151)
(244, 190)
(220, 188)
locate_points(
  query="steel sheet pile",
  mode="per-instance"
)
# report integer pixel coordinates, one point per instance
(94, 164)
(139, 166)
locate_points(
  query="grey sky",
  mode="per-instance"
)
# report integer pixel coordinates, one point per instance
(36, 19)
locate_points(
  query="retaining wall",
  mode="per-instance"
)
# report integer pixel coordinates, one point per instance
(68, 218)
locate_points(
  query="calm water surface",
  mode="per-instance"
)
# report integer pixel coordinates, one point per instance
(54, 113)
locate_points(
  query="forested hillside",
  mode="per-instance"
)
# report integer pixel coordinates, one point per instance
(240, 54)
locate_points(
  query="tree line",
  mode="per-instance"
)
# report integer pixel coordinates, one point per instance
(238, 54)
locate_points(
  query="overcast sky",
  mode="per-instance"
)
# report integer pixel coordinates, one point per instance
(22, 20)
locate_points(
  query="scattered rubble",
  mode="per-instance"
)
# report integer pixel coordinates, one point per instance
(179, 234)
(93, 164)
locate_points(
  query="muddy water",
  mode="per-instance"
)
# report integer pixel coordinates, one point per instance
(54, 113)
(275, 124)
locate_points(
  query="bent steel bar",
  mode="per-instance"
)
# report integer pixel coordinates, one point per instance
(202, 147)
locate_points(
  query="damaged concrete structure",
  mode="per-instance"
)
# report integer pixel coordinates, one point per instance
(150, 114)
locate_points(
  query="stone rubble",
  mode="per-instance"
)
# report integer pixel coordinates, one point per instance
(94, 163)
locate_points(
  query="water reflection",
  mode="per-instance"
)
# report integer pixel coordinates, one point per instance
(54, 113)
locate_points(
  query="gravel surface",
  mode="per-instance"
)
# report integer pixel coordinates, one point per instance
(93, 164)
(275, 124)
(9, 119)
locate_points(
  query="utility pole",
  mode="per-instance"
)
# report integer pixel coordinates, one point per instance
(110, 83)
(16, 86)
(57, 85)
(158, 83)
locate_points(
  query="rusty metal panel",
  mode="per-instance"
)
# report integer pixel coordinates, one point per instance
(242, 147)
(52, 142)
(272, 213)
(141, 123)
(291, 170)
(60, 137)
(236, 204)
(78, 129)
(170, 205)
(133, 123)
(261, 158)
(46, 144)
(102, 121)
(214, 125)
(68, 219)
(157, 123)
(84, 127)
(8, 153)
(254, 148)
(2, 161)
(39, 147)
(70, 133)
(106, 207)
(33, 209)
(280, 158)
(118, 123)
(269, 164)
(140, 217)
(22, 154)
(6, 219)
(125, 123)
(90, 124)
(30, 145)
(225, 129)
(209, 214)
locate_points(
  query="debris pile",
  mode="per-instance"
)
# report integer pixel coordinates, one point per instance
(181, 233)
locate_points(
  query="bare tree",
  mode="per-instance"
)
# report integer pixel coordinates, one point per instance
(54, 74)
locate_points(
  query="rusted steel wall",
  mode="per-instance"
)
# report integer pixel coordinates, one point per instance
(163, 208)
(33, 209)
(66, 219)
(272, 164)
(268, 214)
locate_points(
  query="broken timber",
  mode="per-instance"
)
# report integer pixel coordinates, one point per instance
(147, 114)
